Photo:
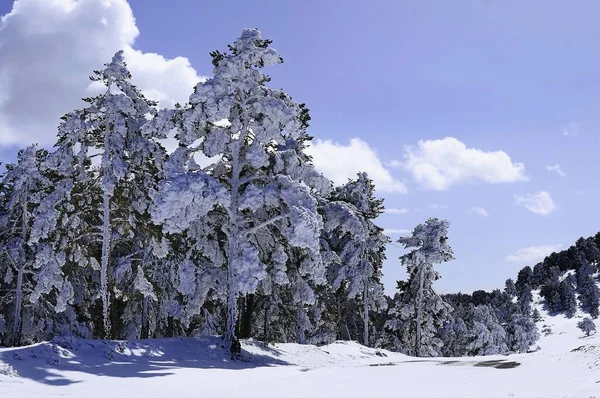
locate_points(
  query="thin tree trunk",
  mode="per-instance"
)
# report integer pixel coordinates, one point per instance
(104, 263)
(230, 337)
(234, 234)
(246, 324)
(419, 313)
(20, 272)
(18, 305)
(145, 326)
(366, 313)
(266, 329)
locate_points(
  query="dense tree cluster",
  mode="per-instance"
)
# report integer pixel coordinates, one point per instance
(108, 235)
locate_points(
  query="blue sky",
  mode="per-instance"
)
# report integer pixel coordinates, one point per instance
(512, 76)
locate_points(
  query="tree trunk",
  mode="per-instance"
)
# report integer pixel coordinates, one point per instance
(104, 263)
(266, 323)
(246, 323)
(366, 313)
(20, 272)
(145, 326)
(419, 313)
(18, 305)
(229, 336)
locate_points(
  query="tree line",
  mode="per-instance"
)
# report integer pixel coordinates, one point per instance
(108, 235)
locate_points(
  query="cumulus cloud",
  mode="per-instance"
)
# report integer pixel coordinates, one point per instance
(539, 202)
(340, 162)
(532, 254)
(439, 164)
(49, 48)
(557, 169)
(396, 211)
(480, 211)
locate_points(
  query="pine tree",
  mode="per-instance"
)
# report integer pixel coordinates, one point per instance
(587, 326)
(110, 126)
(24, 186)
(421, 312)
(240, 184)
(525, 299)
(486, 335)
(567, 296)
(523, 332)
(510, 288)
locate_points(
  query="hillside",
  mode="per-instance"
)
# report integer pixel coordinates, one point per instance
(566, 365)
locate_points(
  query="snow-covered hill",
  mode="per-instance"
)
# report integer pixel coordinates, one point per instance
(566, 365)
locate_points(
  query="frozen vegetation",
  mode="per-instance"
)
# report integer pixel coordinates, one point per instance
(164, 273)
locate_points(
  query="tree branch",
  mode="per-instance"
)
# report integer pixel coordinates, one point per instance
(265, 224)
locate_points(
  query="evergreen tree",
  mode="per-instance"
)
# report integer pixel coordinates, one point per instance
(587, 326)
(421, 312)
(241, 185)
(567, 296)
(111, 126)
(525, 299)
(510, 288)
(24, 186)
(523, 332)
(486, 335)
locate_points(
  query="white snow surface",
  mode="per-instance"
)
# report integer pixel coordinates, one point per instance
(566, 365)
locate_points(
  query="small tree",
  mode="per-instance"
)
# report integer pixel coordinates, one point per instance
(421, 312)
(587, 326)
(510, 288)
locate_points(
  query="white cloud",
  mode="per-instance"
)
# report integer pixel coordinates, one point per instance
(340, 162)
(396, 211)
(539, 203)
(480, 211)
(49, 48)
(439, 164)
(436, 206)
(392, 231)
(532, 254)
(557, 169)
(571, 129)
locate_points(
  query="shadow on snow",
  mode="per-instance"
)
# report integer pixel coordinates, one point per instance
(51, 363)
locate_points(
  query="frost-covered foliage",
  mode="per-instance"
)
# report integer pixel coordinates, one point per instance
(107, 235)
(255, 199)
(587, 326)
(354, 248)
(24, 186)
(486, 335)
(420, 313)
(523, 332)
(110, 195)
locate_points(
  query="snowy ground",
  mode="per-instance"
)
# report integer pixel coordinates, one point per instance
(567, 365)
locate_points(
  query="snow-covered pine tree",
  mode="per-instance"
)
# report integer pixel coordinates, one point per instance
(567, 296)
(587, 326)
(589, 294)
(285, 306)
(24, 187)
(510, 288)
(258, 119)
(421, 312)
(525, 299)
(354, 271)
(110, 127)
(455, 335)
(550, 290)
(522, 332)
(486, 335)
